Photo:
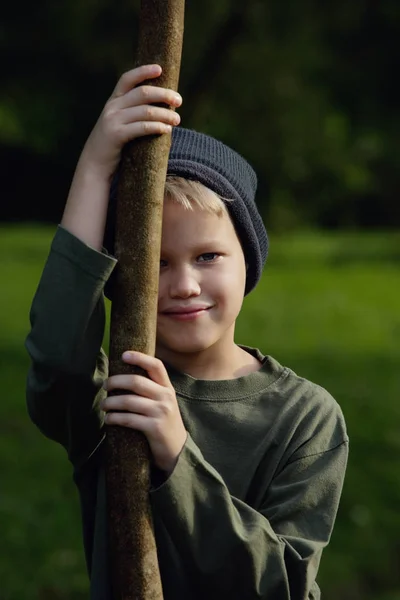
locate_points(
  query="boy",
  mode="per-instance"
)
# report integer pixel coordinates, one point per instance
(248, 458)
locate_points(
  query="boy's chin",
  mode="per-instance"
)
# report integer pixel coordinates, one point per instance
(191, 345)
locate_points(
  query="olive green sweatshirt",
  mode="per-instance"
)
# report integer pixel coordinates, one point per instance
(253, 498)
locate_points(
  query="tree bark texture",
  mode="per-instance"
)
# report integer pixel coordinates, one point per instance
(135, 572)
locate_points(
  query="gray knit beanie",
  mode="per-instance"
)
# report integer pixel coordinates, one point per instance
(202, 158)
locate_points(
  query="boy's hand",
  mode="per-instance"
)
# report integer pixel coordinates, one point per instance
(129, 114)
(150, 407)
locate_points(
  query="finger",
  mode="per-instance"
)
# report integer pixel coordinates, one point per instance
(131, 420)
(134, 77)
(153, 366)
(150, 113)
(130, 403)
(136, 130)
(138, 384)
(150, 94)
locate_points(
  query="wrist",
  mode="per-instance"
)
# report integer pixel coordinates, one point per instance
(92, 172)
(169, 467)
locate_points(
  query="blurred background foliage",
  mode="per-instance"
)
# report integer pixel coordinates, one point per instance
(307, 92)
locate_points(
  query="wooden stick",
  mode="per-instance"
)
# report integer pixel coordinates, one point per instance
(135, 572)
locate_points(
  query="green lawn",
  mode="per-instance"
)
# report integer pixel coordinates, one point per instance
(328, 306)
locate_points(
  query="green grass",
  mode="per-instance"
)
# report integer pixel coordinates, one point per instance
(328, 306)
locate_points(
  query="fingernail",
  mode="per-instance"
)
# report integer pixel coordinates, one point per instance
(104, 386)
(127, 355)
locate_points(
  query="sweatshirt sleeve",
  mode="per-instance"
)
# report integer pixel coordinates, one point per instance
(68, 365)
(235, 551)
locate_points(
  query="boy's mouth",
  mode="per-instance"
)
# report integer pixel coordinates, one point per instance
(185, 313)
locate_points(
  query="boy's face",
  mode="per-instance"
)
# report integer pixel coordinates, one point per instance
(202, 282)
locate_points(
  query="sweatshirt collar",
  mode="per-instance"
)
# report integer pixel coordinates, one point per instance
(212, 390)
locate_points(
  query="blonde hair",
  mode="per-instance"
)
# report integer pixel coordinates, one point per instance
(190, 193)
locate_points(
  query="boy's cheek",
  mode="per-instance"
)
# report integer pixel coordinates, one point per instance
(162, 289)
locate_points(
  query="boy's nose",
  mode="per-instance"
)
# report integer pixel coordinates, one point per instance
(184, 285)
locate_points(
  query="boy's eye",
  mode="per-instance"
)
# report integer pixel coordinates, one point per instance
(207, 257)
